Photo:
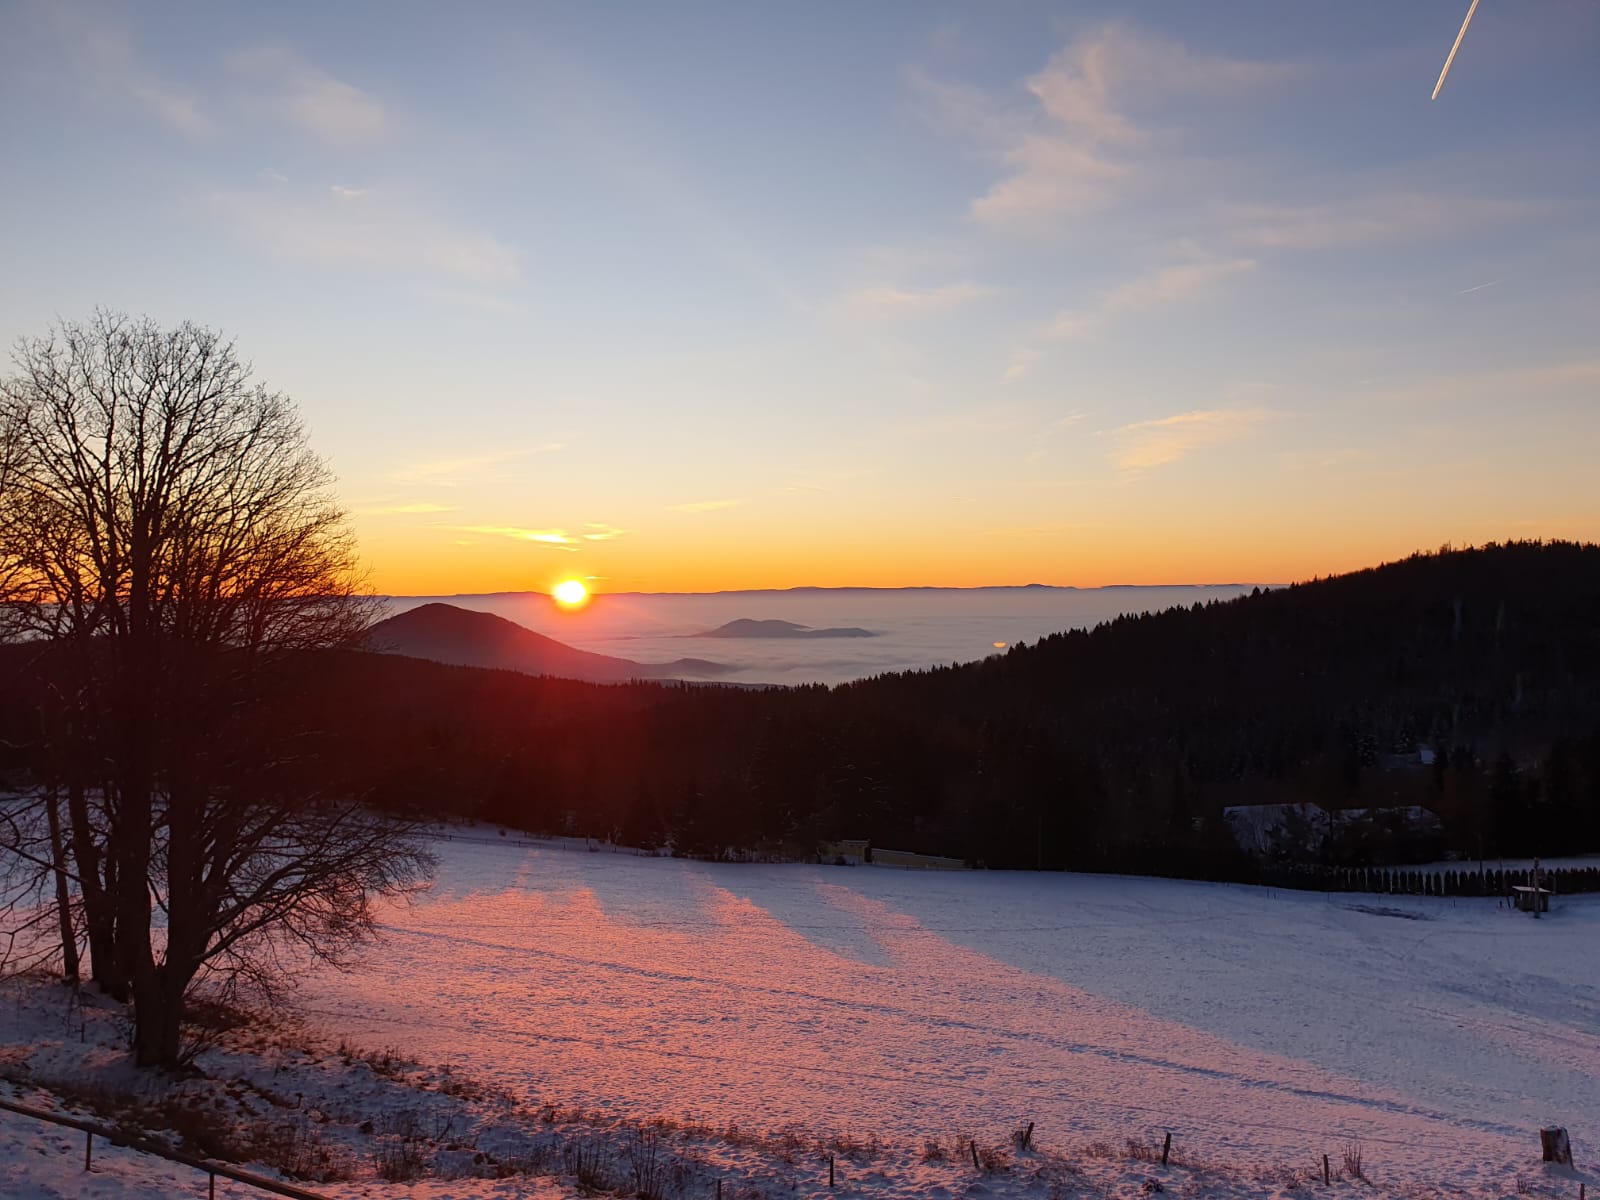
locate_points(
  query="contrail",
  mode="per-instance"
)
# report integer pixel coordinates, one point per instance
(1478, 288)
(1453, 50)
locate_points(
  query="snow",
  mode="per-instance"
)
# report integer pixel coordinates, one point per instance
(762, 1012)
(1260, 1025)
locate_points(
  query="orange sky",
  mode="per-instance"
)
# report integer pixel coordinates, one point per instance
(1083, 561)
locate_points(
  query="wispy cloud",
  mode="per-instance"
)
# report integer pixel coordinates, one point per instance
(1172, 284)
(889, 301)
(1489, 385)
(700, 506)
(1089, 121)
(980, 420)
(177, 109)
(347, 226)
(306, 96)
(404, 510)
(1158, 443)
(448, 472)
(1020, 363)
(1371, 220)
(557, 539)
(107, 57)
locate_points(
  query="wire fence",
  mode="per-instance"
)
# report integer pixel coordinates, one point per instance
(118, 1137)
(1408, 881)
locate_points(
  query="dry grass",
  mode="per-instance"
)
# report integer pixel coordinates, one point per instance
(851, 1146)
(992, 1160)
(1353, 1167)
(209, 1127)
(587, 1162)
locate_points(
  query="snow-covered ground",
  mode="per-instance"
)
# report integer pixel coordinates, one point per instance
(1254, 1024)
(899, 1015)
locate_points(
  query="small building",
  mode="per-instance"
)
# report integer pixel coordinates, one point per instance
(850, 852)
(917, 862)
(1531, 899)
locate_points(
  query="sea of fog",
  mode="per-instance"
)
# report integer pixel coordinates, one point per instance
(912, 627)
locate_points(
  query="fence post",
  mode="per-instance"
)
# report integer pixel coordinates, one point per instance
(88, 1149)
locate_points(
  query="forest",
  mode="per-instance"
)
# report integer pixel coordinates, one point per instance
(1466, 682)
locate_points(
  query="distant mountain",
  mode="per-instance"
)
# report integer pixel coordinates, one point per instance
(447, 634)
(747, 628)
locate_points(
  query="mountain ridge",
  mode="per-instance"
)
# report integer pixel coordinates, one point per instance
(749, 627)
(463, 637)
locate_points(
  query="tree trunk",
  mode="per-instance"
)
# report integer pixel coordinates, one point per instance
(58, 859)
(99, 915)
(158, 1019)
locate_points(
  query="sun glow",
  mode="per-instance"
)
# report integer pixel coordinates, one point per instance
(570, 593)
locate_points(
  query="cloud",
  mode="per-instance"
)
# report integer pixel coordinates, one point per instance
(349, 226)
(559, 539)
(1487, 385)
(449, 471)
(107, 57)
(1371, 220)
(1171, 284)
(556, 539)
(1158, 443)
(888, 301)
(177, 109)
(1020, 364)
(303, 95)
(700, 506)
(1089, 121)
(403, 510)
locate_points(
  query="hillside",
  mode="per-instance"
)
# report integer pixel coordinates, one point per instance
(747, 627)
(1113, 748)
(462, 637)
(548, 997)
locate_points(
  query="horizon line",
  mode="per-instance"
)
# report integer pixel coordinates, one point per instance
(921, 587)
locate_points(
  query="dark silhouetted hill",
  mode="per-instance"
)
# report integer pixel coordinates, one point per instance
(1466, 683)
(461, 637)
(746, 627)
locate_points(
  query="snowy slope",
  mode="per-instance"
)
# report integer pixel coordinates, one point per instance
(1256, 1025)
(542, 1004)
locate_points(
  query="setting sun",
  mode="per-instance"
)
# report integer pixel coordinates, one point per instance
(570, 593)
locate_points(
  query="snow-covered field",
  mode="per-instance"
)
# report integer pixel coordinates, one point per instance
(1254, 1024)
(866, 1005)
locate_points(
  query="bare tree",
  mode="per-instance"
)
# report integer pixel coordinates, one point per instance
(169, 537)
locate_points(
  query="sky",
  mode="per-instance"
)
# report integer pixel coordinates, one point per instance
(707, 296)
